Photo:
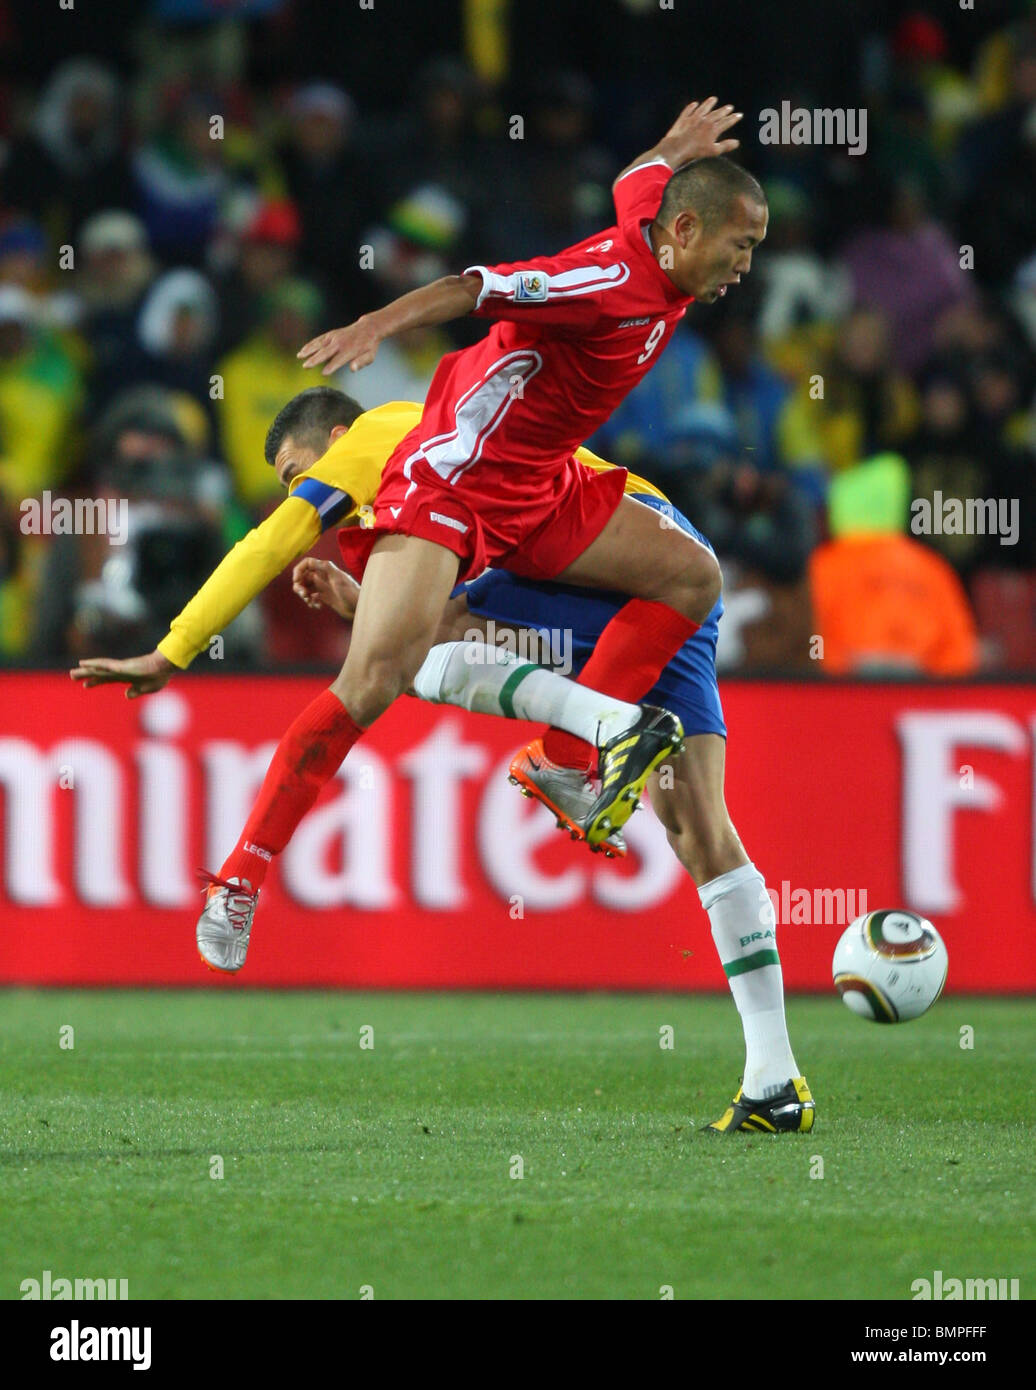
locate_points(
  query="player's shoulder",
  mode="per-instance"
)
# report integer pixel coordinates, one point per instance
(374, 434)
(394, 418)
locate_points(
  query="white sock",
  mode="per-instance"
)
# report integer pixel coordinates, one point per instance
(485, 679)
(744, 929)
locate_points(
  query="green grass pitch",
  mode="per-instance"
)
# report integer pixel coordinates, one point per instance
(392, 1167)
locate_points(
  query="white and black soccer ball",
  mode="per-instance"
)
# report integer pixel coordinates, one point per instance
(890, 966)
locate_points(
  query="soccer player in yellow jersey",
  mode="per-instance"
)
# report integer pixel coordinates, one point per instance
(330, 455)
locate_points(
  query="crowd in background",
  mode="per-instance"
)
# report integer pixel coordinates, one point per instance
(172, 234)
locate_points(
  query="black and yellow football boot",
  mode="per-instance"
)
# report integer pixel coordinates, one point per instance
(626, 762)
(790, 1111)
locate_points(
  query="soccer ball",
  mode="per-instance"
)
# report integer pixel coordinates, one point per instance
(890, 966)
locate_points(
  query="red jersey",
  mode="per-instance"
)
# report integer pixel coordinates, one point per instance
(574, 334)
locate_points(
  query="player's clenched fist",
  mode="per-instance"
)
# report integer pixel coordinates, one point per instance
(354, 346)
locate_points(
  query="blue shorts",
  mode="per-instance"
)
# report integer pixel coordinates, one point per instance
(687, 686)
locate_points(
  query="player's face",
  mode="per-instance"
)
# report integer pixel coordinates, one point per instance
(293, 459)
(712, 260)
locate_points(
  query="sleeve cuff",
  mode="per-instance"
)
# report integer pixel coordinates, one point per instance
(484, 273)
(648, 164)
(174, 649)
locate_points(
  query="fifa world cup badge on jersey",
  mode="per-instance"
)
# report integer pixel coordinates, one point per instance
(531, 286)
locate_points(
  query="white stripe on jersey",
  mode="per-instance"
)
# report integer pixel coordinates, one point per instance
(585, 281)
(648, 164)
(479, 412)
(334, 500)
(564, 285)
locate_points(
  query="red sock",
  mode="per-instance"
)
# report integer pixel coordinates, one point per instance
(307, 757)
(628, 659)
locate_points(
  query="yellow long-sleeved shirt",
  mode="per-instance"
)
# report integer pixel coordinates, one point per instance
(342, 482)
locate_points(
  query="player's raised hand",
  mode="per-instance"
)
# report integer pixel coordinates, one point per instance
(321, 584)
(354, 346)
(696, 132)
(142, 675)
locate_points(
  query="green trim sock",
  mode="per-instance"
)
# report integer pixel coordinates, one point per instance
(744, 929)
(490, 680)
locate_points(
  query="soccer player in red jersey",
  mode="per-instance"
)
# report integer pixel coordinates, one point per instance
(488, 477)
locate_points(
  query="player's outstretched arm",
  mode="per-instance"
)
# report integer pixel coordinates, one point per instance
(695, 134)
(357, 344)
(286, 534)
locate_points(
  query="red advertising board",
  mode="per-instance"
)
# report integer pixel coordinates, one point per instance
(422, 867)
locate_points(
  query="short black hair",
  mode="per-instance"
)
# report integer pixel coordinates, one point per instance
(709, 188)
(310, 417)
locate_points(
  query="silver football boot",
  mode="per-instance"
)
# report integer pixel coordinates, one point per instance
(566, 792)
(225, 926)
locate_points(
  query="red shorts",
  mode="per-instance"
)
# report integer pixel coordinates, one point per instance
(533, 522)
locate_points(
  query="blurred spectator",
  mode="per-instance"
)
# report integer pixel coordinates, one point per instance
(987, 147)
(886, 604)
(558, 182)
(762, 528)
(116, 269)
(802, 166)
(921, 67)
(904, 146)
(947, 455)
(266, 253)
(996, 61)
(40, 397)
(909, 268)
(756, 396)
(71, 164)
(999, 219)
(865, 405)
(177, 330)
(650, 429)
(798, 288)
(187, 173)
(329, 179)
(258, 377)
(409, 250)
(113, 593)
(1022, 298)
(755, 518)
(436, 141)
(24, 261)
(1001, 388)
(15, 587)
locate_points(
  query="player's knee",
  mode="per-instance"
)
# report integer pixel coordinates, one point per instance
(698, 586)
(458, 624)
(709, 579)
(369, 688)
